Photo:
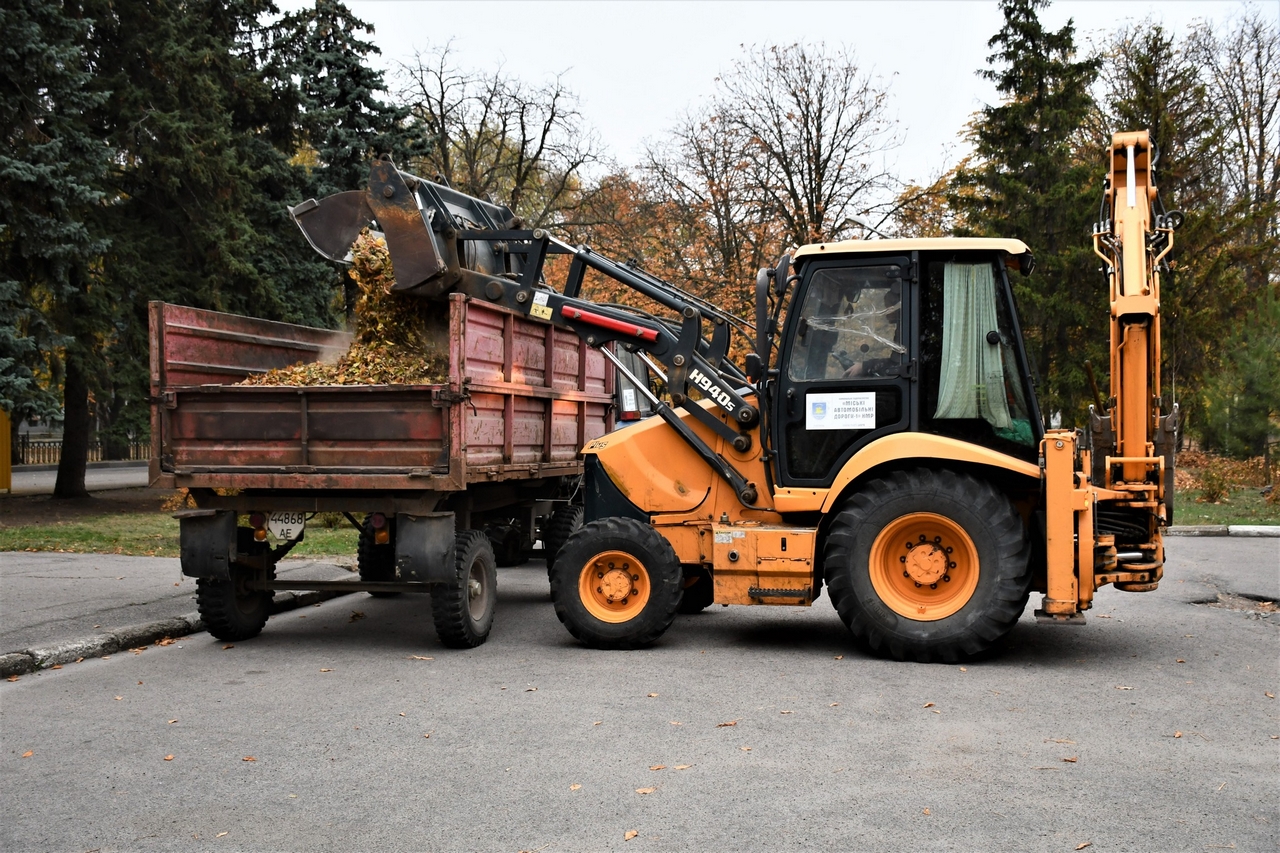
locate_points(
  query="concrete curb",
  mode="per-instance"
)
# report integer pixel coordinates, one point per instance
(90, 466)
(1261, 530)
(31, 660)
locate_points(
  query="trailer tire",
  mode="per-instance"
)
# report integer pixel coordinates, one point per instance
(377, 563)
(956, 601)
(230, 611)
(463, 608)
(699, 592)
(565, 522)
(596, 601)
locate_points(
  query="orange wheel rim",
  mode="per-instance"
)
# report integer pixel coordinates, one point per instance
(614, 586)
(924, 566)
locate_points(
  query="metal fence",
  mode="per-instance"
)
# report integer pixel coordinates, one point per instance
(49, 451)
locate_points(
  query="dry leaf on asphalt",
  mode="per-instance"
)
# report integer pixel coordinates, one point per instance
(676, 723)
(784, 712)
(531, 690)
(653, 695)
(1084, 844)
(248, 758)
(356, 616)
(1180, 660)
(419, 657)
(928, 704)
(228, 646)
(56, 666)
(168, 758)
(28, 753)
(575, 786)
(326, 670)
(1072, 760)
(834, 705)
(726, 724)
(118, 698)
(1122, 687)
(745, 748)
(1177, 734)
(683, 766)
(630, 834)
(964, 669)
(597, 722)
(839, 657)
(12, 678)
(171, 722)
(645, 790)
(658, 767)
(1269, 695)
(220, 834)
(926, 811)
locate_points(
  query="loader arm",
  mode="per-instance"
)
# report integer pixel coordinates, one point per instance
(442, 241)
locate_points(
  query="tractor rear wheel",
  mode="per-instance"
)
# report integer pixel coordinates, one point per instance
(616, 584)
(928, 565)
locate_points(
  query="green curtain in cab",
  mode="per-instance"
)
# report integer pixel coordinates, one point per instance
(972, 382)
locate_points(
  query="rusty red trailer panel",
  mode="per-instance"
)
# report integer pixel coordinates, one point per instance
(520, 400)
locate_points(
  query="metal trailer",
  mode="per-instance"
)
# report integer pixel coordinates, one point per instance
(445, 482)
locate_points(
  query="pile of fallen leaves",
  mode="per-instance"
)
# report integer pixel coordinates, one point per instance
(391, 346)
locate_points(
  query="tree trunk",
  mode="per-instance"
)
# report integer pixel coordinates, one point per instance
(75, 435)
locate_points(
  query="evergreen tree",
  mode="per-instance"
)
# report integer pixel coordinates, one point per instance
(201, 126)
(1025, 181)
(48, 169)
(342, 119)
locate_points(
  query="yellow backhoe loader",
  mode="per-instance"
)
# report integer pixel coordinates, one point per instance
(883, 439)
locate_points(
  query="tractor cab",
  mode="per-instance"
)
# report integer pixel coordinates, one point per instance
(889, 336)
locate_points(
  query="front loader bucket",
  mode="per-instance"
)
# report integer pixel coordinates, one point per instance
(430, 229)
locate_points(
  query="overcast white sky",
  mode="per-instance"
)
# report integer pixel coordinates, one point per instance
(636, 65)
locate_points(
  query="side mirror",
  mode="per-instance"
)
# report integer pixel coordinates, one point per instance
(759, 360)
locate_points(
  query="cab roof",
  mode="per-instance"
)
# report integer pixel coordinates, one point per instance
(914, 244)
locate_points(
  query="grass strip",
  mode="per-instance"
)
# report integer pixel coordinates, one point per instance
(147, 535)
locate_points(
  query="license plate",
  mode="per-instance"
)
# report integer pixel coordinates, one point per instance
(287, 525)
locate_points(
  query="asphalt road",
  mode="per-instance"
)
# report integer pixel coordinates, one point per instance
(27, 481)
(1148, 729)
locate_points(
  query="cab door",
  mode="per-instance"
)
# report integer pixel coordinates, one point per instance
(846, 371)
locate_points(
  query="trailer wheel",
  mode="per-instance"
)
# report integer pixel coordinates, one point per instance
(377, 563)
(564, 523)
(463, 608)
(699, 592)
(928, 566)
(230, 610)
(616, 584)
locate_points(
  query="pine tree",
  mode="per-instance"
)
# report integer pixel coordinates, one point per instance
(1026, 181)
(48, 170)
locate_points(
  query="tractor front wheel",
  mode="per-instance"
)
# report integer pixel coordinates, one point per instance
(616, 584)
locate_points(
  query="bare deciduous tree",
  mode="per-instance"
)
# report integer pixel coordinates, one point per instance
(497, 136)
(812, 131)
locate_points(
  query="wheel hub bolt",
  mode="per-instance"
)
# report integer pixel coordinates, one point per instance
(933, 586)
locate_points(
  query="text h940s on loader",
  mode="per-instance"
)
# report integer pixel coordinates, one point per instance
(884, 440)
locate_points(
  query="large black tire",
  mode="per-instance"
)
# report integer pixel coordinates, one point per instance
(565, 522)
(970, 614)
(508, 546)
(463, 608)
(377, 563)
(699, 591)
(230, 611)
(616, 584)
